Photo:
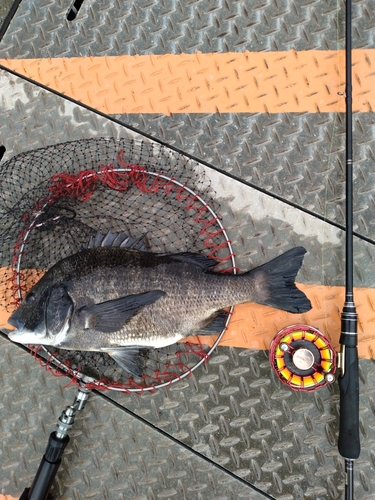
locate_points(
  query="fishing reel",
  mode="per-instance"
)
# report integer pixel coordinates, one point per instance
(303, 358)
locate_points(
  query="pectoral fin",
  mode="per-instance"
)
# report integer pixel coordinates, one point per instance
(130, 359)
(112, 315)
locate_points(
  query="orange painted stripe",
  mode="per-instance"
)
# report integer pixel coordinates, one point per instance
(253, 82)
(253, 326)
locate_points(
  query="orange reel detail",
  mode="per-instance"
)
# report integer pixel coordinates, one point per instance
(303, 358)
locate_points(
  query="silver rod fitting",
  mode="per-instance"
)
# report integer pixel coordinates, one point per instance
(66, 420)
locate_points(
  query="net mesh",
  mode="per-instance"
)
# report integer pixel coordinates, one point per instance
(54, 199)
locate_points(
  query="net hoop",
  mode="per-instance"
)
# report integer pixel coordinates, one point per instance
(320, 366)
(83, 379)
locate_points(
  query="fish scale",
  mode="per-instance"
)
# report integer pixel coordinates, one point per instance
(189, 301)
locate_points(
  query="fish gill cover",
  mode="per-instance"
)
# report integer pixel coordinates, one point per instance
(54, 199)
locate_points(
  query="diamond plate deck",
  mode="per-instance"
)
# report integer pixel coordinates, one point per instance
(296, 156)
(233, 410)
(111, 454)
(132, 27)
(5, 8)
(299, 158)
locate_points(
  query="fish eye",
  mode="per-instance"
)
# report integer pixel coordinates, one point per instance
(30, 297)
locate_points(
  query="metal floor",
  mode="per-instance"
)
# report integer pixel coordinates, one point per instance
(279, 181)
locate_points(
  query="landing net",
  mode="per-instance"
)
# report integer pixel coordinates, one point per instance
(54, 199)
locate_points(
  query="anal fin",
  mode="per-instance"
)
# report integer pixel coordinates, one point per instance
(131, 359)
(216, 325)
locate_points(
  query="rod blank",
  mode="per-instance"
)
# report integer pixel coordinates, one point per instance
(349, 442)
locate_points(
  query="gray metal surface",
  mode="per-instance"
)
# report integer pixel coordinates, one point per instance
(111, 454)
(285, 442)
(5, 8)
(298, 157)
(131, 27)
(233, 410)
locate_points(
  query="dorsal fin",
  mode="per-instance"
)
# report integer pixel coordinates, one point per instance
(202, 261)
(117, 239)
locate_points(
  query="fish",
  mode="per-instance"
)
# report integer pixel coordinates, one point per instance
(117, 297)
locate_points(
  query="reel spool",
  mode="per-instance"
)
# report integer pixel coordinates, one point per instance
(303, 358)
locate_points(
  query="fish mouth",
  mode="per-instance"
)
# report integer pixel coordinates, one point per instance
(15, 322)
(24, 337)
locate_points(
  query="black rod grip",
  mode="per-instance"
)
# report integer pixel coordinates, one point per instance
(349, 443)
(47, 469)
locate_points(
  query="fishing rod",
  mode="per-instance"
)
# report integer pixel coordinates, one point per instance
(349, 443)
(57, 442)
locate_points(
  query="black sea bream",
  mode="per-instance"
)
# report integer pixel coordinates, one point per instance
(118, 300)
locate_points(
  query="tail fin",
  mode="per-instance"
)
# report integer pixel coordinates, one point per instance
(278, 276)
